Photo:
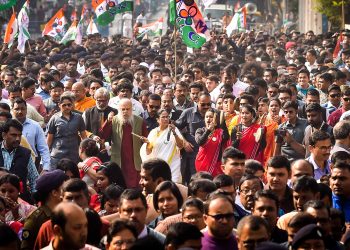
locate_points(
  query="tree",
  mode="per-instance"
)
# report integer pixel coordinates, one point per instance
(333, 10)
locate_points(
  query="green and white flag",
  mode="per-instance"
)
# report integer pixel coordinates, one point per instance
(151, 29)
(106, 10)
(71, 33)
(23, 22)
(7, 4)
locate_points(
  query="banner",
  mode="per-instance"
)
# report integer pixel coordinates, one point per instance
(190, 23)
(238, 22)
(107, 9)
(11, 30)
(56, 26)
(7, 4)
(23, 23)
(151, 29)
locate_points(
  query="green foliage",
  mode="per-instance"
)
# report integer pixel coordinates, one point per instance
(332, 9)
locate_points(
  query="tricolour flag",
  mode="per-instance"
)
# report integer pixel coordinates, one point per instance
(92, 28)
(71, 33)
(11, 30)
(151, 29)
(190, 22)
(106, 10)
(238, 22)
(56, 26)
(23, 22)
(73, 16)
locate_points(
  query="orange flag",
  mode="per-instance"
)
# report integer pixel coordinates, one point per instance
(55, 27)
(11, 30)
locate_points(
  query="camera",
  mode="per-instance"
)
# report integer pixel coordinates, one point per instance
(281, 132)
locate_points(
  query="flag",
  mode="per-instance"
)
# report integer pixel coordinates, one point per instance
(172, 12)
(237, 6)
(71, 33)
(6, 4)
(23, 22)
(238, 22)
(84, 11)
(151, 29)
(11, 30)
(106, 10)
(190, 23)
(73, 16)
(56, 26)
(92, 28)
(80, 26)
(207, 3)
(338, 46)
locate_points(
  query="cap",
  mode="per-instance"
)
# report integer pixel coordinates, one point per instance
(290, 45)
(50, 181)
(308, 232)
(267, 245)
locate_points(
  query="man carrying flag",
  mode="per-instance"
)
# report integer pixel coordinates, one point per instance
(23, 22)
(56, 26)
(11, 30)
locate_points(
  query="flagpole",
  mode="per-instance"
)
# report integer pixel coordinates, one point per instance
(175, 53)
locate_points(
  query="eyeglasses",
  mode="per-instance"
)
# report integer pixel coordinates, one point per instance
(335, 95)
(247, 191)
(219, 217)
(325, 148)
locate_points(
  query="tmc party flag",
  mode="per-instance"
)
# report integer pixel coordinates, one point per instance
(71, 33)
(106, 10)
(151, 29)
(23, 23)
(80, 26)
(92, 28)
(11, 30)
(6, 4)
(56, 26)
(238, 22)
(73, 16)
(190, 22)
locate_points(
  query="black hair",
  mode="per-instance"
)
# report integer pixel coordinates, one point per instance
(132, 194)
(313, 92)
(232, 153)
(252, 166)
(167, 185)
(8, 236)
(118, 226)
(313, 107)
(285, 90)
(215, 196)
(6, 107)
(325, 191)
(19, 100)
(12, 179)
(204, 185)
(181, 232)
(305, 183)
(223, 180)
(317, 136)
(291, 104)
(279, 161)
(112, 192)
(66, 164)
(94, 227)
(125, 85)
(14, 88)
(76, 185)
(113, 172)
(27, 82)
(12, 123)
(340, 156)
(300, 220)
(268, 194)
(248, 177)
(90, 147)
(157, 168)
(316, 204)
(201, 175)
(193, 202)
(253, 222)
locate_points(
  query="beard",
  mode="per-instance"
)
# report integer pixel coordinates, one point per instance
(129, 120)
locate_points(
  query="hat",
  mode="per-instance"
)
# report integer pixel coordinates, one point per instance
(267, 245)
(308, 232)
(290, 45)
(50, 181)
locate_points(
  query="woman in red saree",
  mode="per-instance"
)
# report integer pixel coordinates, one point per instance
(212, 140)
(249, 136)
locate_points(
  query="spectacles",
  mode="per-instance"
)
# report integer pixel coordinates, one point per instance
(247, 191)
(335, 95)
(325, 148)
(219, 217)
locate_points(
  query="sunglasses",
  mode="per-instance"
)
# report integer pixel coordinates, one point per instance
(346, 99)
(219, 217)
(334, 95)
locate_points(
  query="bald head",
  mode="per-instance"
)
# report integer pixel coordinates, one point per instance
(300, 168)
(69, 224)
(79, 91)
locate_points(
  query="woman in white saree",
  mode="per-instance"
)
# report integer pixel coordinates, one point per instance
(165, 143)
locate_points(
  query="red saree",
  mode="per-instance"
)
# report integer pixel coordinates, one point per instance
(249, 145)
(207, 158)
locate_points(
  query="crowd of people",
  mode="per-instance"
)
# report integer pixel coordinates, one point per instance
(131, 144)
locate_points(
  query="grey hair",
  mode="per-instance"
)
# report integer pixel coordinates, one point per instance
(103, 91)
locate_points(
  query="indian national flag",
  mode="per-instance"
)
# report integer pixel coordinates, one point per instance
(238, 22)
(56, 26)
(11, 30)
(106, 10)
(23, 22)
(151, 29)
(71, 33)
(92, 28)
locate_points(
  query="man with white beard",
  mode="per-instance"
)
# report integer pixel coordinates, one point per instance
(127, 132)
